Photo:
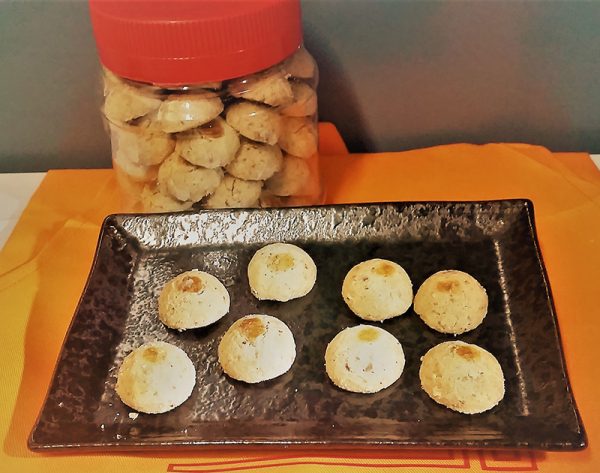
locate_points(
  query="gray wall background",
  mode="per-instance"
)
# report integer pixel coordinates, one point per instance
(395, 75)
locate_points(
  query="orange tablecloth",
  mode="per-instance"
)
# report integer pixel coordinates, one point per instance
(44, 265)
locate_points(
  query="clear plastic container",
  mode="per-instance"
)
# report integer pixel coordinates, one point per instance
(244, 141)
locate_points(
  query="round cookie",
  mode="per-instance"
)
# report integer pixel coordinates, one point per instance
(155, 378)
(254, 121)
(463, 377)
(281, 272)
(255, 161)
(211, 146)
(134, 171)
(451, 302)
(364, 359)
(270, 87)
(257, 348)
(377, 290)
(305, 101)
(298, 136)
(184, 112)
(234, 193)
(301, 65)
(293, 178)
(140, 146)
(192, 299)
(187, 182)
(124, 103)
(154, 200)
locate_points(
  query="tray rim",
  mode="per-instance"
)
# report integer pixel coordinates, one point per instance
(160, 446)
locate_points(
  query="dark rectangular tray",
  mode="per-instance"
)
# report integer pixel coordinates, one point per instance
(495, 241)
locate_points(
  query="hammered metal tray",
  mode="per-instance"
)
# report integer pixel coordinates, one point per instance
(495, 241)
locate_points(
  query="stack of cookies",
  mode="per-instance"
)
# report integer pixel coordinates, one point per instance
(247, 142)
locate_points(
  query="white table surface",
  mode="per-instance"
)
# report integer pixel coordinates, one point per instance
(17, 188)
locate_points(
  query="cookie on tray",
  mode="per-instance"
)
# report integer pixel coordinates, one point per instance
(463, 377)
(257, 348)
(377, 290)
(155, 378)
(451, 302)
(191, 300)
(364, 359)
(281, 272)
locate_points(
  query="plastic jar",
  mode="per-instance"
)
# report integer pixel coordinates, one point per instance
(209, 104)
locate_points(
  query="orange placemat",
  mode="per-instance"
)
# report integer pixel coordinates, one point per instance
(44, 265)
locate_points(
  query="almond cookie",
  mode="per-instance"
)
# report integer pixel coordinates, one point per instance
(304, 103)
(192, 299)
(451, 302)
(234, 193)
(254, 121)
(301, 65)
(377, 290)
(255, 161)
(463, 377)
(270, 87)
(293, 178)
(140, 146)
(212, 145)
(155, 378)
(281, 272)
(154, 200)
(364, 359)
(298, 136)
(184, 112)
(125, 102)
(187, 182)
(257, 348)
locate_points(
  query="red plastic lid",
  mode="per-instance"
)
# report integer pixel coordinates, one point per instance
(178, 42)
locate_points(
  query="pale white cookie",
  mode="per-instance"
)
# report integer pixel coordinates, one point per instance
(377, 290)
(212, 145)
(294, 177)
(187, 182)
(192, 299)
(364, 359)
(463, 377)
(271, 88)
(304, 103)
(154, 200)
(257, 348)
(254, 121)
(298, 136)
(255, 161)
(281, 272)
(134, 171)
(234, 193)
(124, 102)
(155, 378)
(140, 146)
(301, 65)
(184, 112)
(451, 302)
